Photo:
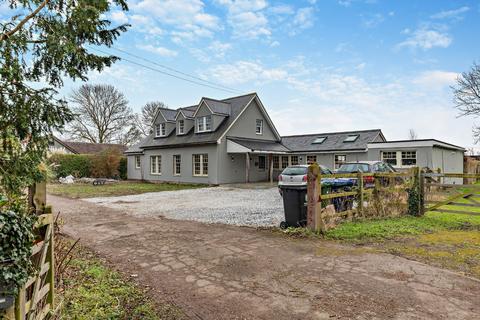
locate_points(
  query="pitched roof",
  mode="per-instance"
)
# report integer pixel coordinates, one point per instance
(236, 105)
(218, 106)
(334, 141)
(92, 148)
(168, 114)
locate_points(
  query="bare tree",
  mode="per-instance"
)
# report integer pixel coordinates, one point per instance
(412, 135)
(145, 119)
(467, 96)
(102, 115)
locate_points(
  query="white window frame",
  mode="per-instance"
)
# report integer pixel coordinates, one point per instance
(181, 126)
(177, 157)
(158, 165)
(414, 152)
(205, 122)
(337, 164)
(297, 162)
(138, 162)
(259, 126)
(385, 159)
(282, 163)
(160, 130)
(399, 158)
(202, 161)
(310, 157)
(276, 162)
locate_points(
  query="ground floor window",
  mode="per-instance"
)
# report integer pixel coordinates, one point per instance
(284, 162)
(177, 164)
(311, 159)
(293, 160)
(262, 162)
(276, 162)
(137, 162)
(339, 160)
(200, 164)
(390, 157)
(409, 158)
(156, 164)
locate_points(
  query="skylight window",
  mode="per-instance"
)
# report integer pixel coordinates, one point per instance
(351, 138)
(319, 140)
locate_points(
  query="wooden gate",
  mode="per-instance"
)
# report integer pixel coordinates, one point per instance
(452, 193)
(35, 300)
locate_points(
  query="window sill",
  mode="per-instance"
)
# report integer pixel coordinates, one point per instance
(259, 134)
(177, 175)
(155, 174)
(200, 175)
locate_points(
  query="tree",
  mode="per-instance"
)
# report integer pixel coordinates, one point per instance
(145, 120)
(467, 96)
(42, 42)
(412, 135)
(102, 115)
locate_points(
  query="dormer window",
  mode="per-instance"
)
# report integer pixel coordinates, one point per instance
(181, 126)
(259, 127)
(351, 138)
(204, 124)
(160, 130)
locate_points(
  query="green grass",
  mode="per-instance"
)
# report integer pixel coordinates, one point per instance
(406, 225)
(80, 190)
(94, 291)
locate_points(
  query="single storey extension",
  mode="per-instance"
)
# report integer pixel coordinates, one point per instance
(234, 141)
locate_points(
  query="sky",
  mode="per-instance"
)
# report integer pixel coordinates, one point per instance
(317, 65)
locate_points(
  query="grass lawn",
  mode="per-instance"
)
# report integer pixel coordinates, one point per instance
(442, 239)
(91, 290)
(83, 190)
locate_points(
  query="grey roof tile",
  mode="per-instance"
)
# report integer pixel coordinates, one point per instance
(168, 114)
(259, 145)
(334, 141)
(218, 106)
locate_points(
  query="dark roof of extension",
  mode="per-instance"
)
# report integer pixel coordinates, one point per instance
(260, 145)
(334, 141)
(168, 114)
(236, 105)
(92, 148)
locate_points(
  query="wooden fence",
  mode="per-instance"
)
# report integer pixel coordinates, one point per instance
(456, 193)
(371, 195)
(35, 300)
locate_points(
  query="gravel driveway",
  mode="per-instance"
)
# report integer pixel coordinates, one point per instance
(228, 205)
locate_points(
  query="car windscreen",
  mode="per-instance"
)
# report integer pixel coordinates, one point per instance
(353, 167)
(295, 171)
(326, 170)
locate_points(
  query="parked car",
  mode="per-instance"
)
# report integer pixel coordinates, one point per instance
(296, 176)
(365, 167)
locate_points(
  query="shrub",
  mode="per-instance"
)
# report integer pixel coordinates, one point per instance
(77, 165)
(122, 168)
(106, 164)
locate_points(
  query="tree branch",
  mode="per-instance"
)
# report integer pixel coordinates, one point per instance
(25, 20)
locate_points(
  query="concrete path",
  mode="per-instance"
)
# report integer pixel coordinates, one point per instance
(228, 272)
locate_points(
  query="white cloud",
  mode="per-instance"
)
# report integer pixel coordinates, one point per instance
(187, 17)
(304, 18)
(451, 14)
(119, 17)
(216, 49)
(426, 39)
(246, 17)
(436, 79)
(282, 9)
(145, 24)
(161, 51)
(373, 20)
(242, 72)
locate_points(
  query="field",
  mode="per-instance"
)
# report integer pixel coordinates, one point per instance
(81, 190)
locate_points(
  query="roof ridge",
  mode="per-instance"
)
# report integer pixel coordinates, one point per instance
(242, 95)
(330, 133)
(207, 98)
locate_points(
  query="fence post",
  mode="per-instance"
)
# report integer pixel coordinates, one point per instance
(319, 224)
(313, 195)
(20, 304)
(360, 194)
(421, 193)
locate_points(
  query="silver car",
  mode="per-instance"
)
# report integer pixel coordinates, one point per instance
(296, 176)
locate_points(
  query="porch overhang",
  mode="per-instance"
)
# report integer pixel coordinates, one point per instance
(255, 146)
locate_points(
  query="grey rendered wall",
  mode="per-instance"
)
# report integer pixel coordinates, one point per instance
(328, 159)
(245, 125)
(231, 167)
(132, 172)
(449, 161)
(186, 164)
(424, 155)
(169, 126)
(216, 119)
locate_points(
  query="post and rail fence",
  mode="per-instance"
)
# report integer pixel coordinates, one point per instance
(388, 194)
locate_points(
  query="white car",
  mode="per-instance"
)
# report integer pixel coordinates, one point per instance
(296, 176)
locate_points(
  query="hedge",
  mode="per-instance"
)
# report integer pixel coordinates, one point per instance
(103, 165)
(77, 165)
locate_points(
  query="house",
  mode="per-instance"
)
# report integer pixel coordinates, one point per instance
(71, 147)
(234, 140)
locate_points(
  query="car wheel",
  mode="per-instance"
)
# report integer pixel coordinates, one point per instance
(283, 225)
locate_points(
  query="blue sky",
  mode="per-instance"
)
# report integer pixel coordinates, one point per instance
(318, 66)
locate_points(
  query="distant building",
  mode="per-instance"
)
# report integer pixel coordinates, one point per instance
(60, 146)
